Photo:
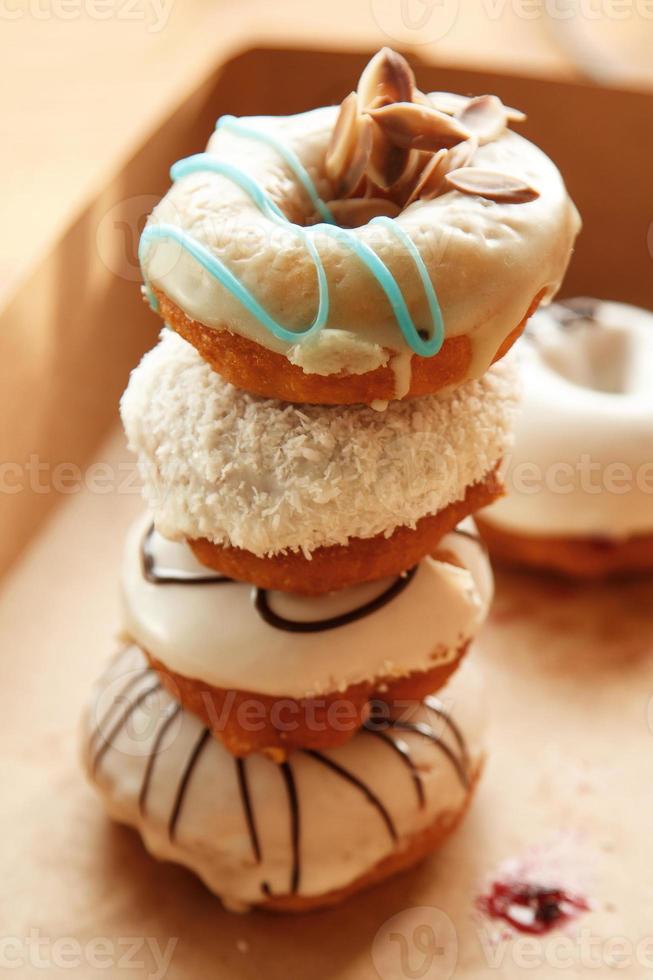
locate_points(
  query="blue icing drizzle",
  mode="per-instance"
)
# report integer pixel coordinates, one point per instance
(152, 301)
(215, 267)
(431, 296)
(287, 154)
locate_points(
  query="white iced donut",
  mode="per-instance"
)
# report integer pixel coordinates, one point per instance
(233, 635)
(235, 250)
(283, 483)
(580, 480)
(294, 835)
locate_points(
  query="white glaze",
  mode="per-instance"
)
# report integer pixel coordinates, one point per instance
(587, 412)
(269, 477)
(212, 632)
(487, 260)
(341, 835)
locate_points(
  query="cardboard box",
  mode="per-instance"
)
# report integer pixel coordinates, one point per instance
(568, 669)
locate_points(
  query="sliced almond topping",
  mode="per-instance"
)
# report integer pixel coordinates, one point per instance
(358, 164)
(430, 180)
(359, 211)
(419, 127)
(420, 98)
(461, 154)
(387, 163)
(485, 117)
(503, 188)
(388, 75)
(453, 104)
(448, 102)
(514, 115)
(343, 139)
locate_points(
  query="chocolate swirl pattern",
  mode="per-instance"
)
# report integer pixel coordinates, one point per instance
(180, 576)
(110, 744)
(229, 634)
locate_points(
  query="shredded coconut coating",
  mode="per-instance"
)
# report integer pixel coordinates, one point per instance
(271, 477)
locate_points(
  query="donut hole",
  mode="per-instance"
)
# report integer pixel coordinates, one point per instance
(599, 358)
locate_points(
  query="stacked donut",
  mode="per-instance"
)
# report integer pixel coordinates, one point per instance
(320, 417)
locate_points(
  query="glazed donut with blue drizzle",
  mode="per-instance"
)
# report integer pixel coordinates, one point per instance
(379, 251)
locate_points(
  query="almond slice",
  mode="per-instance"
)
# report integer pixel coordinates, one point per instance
(359, 211)
(358, 164)
(461, 154)
(387, 75)
(419, 127)
(503, 188)
(387, 163)
(343, 139)
(448, 102)
(485, 116)
(453, 104)
(430, 179)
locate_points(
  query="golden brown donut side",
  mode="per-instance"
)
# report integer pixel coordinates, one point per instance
(251, 367)
(361, 560)
(582, 558)
(416, 849)
(247, 722)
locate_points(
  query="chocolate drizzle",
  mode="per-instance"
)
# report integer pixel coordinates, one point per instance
(359, 784)
(436, 706)
(184, 782)
(474, 536)
(121, 720)
(156, 576)
(269, 616)
(293, 806)
(389, 733)
(570, 311)
(243, 787)
(420, 728)
(172, 712)
(401, 749)
(173, 576)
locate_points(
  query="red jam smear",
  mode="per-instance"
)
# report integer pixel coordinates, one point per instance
(534, 909)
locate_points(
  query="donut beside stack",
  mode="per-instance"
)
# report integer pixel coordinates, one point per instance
(581, 475)
(290, 718)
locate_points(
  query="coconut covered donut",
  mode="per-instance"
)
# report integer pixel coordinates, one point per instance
(460, 228)
(581, 472)
(310, 499)
(291, 836)
(273, 671)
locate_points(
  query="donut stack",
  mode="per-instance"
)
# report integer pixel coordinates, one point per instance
(289, 717)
